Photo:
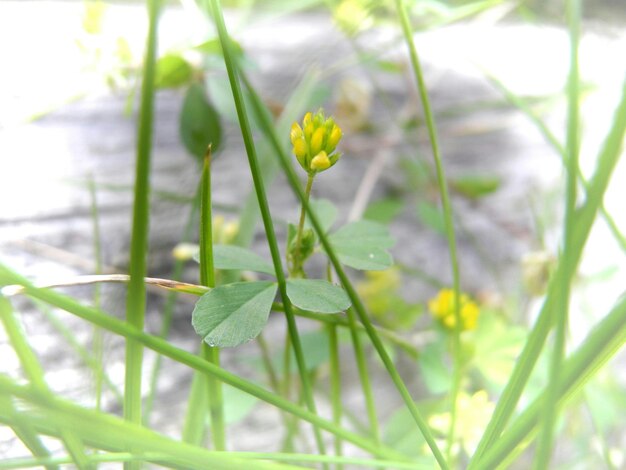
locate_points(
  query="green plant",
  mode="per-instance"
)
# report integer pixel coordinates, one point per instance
(476, 363)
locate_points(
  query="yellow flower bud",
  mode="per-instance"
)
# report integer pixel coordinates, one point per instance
(320, 162)
(333, 139)
(296, 132)
(317, 141)
(314, 143)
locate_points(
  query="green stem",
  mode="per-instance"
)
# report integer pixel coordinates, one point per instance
(351, 291)
(207, 278)
(364, 376)
(259, 187)
(586, 214)
(297, 268)
(136, 300)
(447, 214)
(544, 449)
(335, 384)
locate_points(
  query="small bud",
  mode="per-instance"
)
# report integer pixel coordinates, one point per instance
(317, 140)
(296, 132)
(320, 162)
(314, 142)
(333, 139)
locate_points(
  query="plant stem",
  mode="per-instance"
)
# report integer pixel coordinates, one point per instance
(232, 69)
(207, 278)
(335, 385)
(364, 377)
(352, 294)
(447, 214)
(544, 449)
(297, 268)
(136, 300)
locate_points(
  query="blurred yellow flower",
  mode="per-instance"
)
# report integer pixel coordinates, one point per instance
(443, 308)
(314, 142)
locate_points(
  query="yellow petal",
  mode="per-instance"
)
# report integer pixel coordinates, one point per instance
(317, 140)
(320, 162)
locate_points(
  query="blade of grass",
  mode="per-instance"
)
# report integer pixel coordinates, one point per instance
(163, 347)
(207, 278)
(231, 67)
(585, 215)
(293, 180)
(448, 218)
(106, 431)
(35, 374)
(136, 297)
(602, 343)
(551, 411)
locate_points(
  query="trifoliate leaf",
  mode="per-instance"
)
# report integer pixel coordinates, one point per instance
(233, 314)
(363, 245)
(384, 210)
(316, 295)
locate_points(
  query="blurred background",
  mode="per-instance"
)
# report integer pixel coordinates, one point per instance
(69, 87)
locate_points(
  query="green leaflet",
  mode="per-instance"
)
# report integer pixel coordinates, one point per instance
(233, 314)
(317, 295)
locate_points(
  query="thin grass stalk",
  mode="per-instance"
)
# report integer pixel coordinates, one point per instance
(551, 411)
(136, 299)
(585, 216)
(246, 131)
(207, 278)
(351, 291)
(88, 358)
(335, 386)
(163, 459)
(602, 343)
(24, 432)
(163, 347)
(560, 149)
(364, 377)
(35, 374)
(448, 219)
(108, 432)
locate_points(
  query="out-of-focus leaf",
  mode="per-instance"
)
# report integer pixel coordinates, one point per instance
(238, 258)
(384, 210)
(325, 211)
(173, 71)
(475, 186)
(199, 123)
(363, 245)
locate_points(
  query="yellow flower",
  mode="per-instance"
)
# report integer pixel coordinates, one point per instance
(315, 142)
(443, 308)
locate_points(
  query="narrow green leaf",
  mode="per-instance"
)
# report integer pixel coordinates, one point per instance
(384, 210)
(326, 213)
(316, 295)
(362, 245)
(238, 258)
(199, 123)
(475, 186)
(233, 314)
(172, 71)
